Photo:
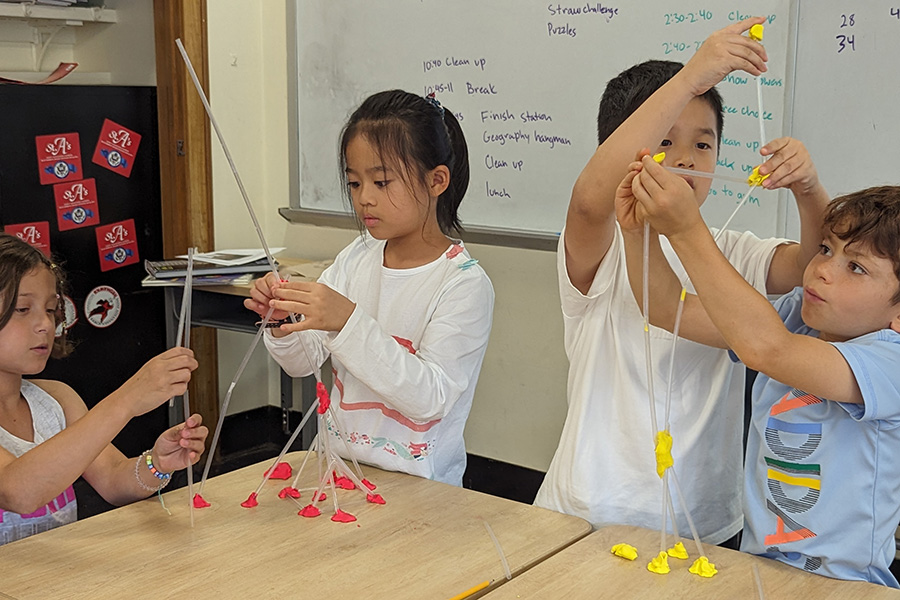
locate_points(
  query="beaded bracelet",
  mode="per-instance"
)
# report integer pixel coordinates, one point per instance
(164, 478)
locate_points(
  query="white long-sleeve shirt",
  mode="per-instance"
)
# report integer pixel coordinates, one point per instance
(406, 362)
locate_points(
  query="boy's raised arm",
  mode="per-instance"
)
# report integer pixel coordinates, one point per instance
(590, 221)
(748, 323)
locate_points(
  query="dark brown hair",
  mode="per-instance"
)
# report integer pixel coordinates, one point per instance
(419, 134)
(18, 259)
(870, 218)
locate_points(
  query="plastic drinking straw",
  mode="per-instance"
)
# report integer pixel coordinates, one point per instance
(186, 403)
(759, 586)
(646, 303)
(224, 408)
(240, 183)
(762, 126)
(499, 550)
(687, 513)
(313, 446)
(340, 429)
(309, 413)
(706, 174)
(734, 212)
(672, 513)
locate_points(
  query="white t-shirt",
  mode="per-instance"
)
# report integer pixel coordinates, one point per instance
(604, 469)
(47, 419)
(406, 362)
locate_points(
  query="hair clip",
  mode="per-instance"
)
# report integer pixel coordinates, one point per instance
(430, 99)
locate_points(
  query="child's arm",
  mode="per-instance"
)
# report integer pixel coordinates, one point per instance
(749, 324)
(790, 166)
(422, 386)
(422, 383)
(590, 220)
(32, 480)
(664, 287)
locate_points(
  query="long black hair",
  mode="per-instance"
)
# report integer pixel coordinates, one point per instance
(420, 134)
(18, 259)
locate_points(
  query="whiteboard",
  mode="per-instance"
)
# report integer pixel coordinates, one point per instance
(524, 78)
(847, 91)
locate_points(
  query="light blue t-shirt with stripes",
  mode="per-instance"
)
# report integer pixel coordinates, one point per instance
(822, 478)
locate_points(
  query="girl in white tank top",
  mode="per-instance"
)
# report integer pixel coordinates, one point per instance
(48, 438)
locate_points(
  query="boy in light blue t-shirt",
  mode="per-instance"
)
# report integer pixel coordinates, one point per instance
(822, 479)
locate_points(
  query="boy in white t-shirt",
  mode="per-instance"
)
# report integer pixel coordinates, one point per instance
(604, 467)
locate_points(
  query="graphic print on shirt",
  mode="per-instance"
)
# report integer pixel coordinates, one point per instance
(14, 526)
(788, 475)
(404, 450)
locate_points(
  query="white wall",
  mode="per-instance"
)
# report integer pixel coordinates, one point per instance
(119, 53)
(520, 405)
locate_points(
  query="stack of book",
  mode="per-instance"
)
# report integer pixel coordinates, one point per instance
(223, 267)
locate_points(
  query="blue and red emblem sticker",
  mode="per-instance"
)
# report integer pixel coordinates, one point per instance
(37, 234)
(117, 245)
(76, 204)
(116, 148)
(59, 157)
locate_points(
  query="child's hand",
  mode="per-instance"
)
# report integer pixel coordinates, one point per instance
(262, 292)
(629, 212)
(725, 51)
(162, 377)
(180, 444)
(665, 199)
(322, 307)
(790, 166)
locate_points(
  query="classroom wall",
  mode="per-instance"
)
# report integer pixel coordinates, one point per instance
(119, 53)
(519, 405)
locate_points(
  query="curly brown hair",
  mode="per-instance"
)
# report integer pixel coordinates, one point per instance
(17, 259)
(869, 218)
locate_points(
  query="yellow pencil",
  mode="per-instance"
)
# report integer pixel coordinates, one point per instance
(471, 591)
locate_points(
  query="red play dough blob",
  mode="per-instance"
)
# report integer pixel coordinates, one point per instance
(368, 484)
(375, 498)
(289, 492)
(199, 502)
(281, 471)
(342, 517)
(250, 502)
(309, 511)
(344, 483)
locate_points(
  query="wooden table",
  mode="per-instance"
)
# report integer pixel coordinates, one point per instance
(428, 541)
(587, 570)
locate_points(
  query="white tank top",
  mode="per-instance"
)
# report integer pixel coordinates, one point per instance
(48, 419)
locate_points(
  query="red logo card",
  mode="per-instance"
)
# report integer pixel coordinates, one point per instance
(59, 157)
(36, 234)
(116, 148)
(76, 204)
(117, 245)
